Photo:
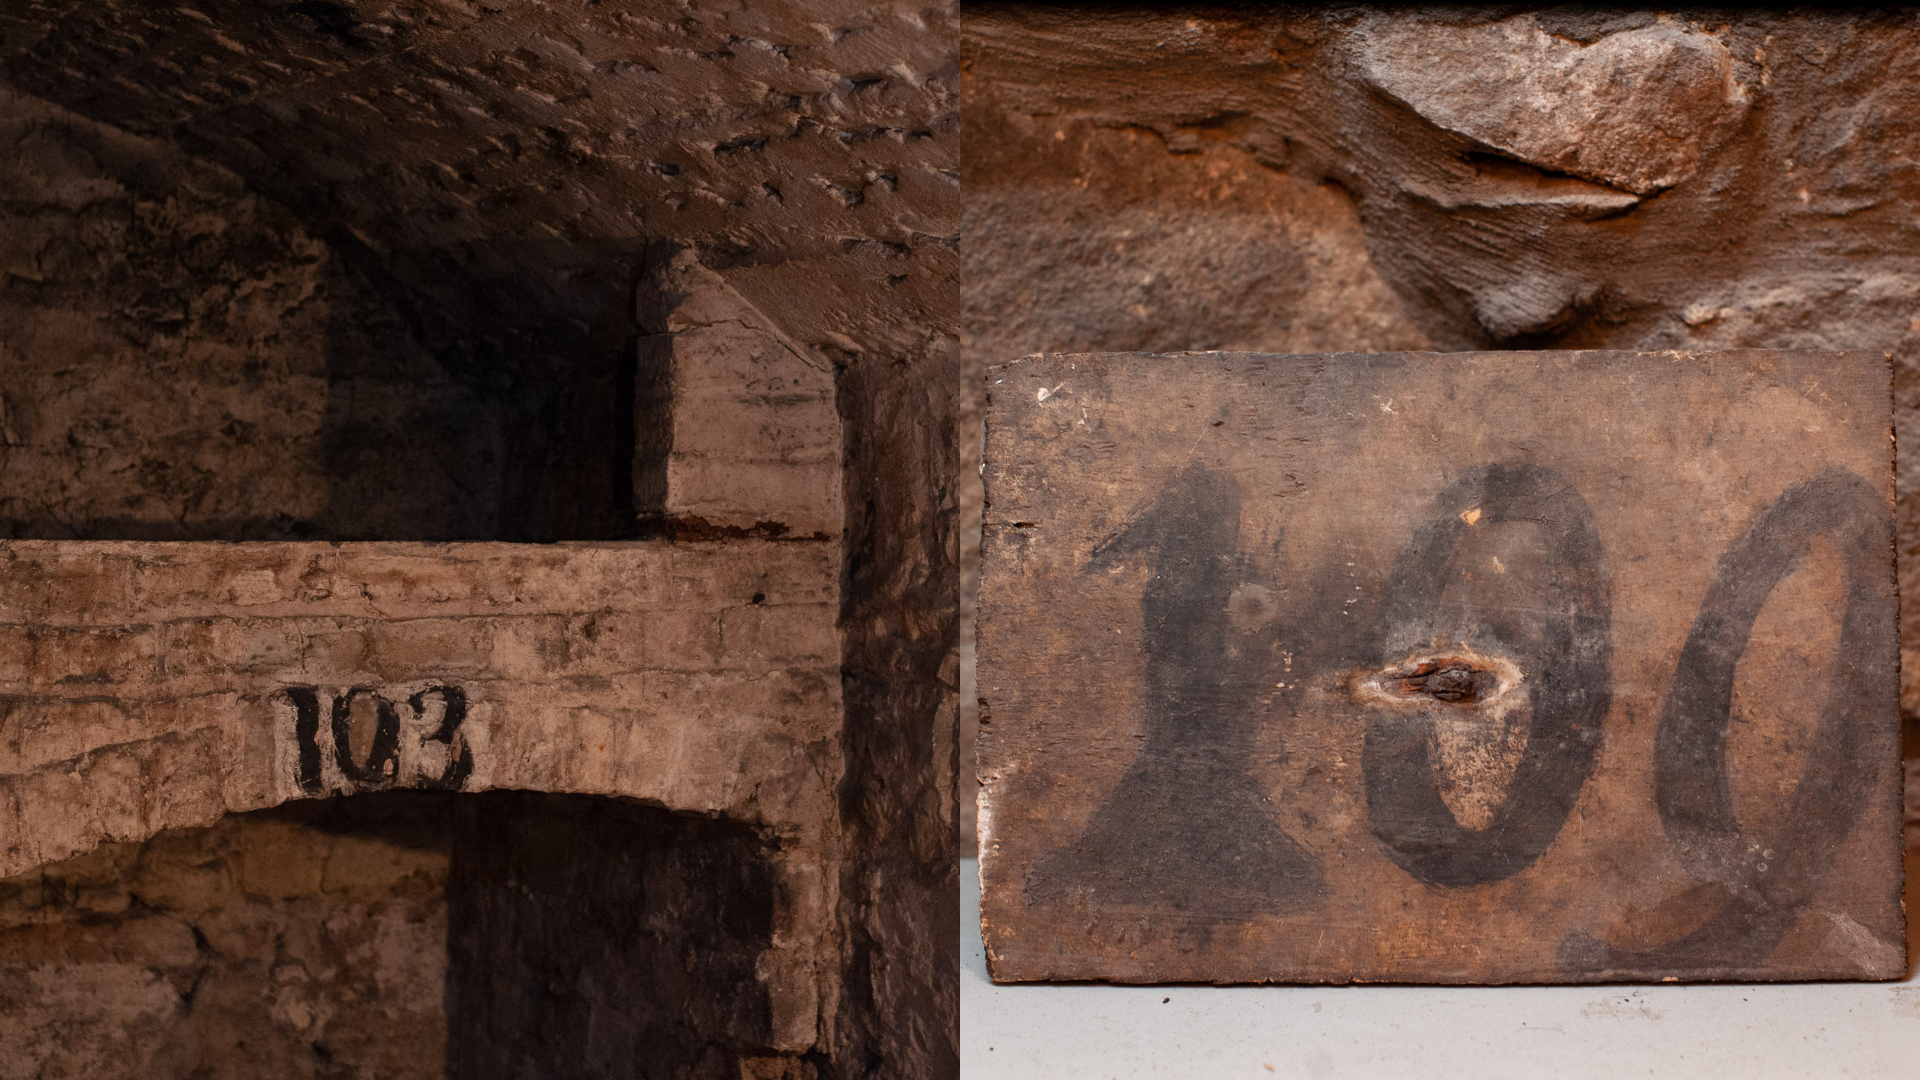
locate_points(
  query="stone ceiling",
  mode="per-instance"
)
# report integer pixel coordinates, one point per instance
(526, 153)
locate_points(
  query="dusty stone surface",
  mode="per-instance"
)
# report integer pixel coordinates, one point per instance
(411, 935)
(1787, 223)
(1485, 246)
(159, 686)
(1120, 243)
(701, 677)
(902, 673)
(1633, 108)
(509, 165)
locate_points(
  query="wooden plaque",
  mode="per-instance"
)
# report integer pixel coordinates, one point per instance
(1472, 668)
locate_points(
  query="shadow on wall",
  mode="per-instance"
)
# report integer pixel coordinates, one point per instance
(486, 405)
(186, 361)
(403, 935)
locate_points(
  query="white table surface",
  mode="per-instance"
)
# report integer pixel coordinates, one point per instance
(1483, 1033)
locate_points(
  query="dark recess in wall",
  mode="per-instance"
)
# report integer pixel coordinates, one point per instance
(583, 936)
(547, 388)
(590, 937)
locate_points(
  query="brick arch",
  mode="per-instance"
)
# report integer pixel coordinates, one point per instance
(152, 686)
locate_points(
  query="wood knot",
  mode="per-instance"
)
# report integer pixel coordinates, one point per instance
(1449, 680)
(1458, 678)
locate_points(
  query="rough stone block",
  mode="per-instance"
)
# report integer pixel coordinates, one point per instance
(1634, 109)
(751, 439)
(1487, 667)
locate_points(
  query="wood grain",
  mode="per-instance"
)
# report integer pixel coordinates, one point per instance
(1468, 668)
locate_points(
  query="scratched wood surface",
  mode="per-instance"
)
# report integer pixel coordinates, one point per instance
(1473, 668)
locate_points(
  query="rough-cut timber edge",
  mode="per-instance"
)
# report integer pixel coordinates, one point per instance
(1126, 826)
(151, 686)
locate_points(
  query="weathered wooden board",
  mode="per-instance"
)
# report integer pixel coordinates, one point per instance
(1492, 667)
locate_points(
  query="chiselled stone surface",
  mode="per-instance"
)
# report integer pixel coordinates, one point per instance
(751, 434)
(1483, 667)
(233, 950)
(534, 150)
(184, 361)
(151, 686)
(416, 935)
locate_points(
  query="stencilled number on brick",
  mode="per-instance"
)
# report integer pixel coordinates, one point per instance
(360, 738)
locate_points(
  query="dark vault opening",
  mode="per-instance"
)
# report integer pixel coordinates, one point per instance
(399, 934)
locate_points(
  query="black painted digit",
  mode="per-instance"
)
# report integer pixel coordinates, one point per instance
(460, 758)
(1188, 829)
(383, 756)
(306, 734)
(1567, 668)
(1756, 884)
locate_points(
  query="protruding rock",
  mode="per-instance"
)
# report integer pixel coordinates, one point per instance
(1634, 110)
